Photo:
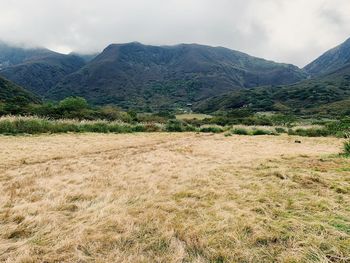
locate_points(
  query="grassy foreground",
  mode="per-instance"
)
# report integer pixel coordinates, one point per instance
(182, 197)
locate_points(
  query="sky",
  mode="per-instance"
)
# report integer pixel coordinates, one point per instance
(290, 31)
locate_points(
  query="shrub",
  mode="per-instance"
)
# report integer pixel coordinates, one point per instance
(73, 104)
(280, 130)
(347, 144)
(178, 126)
(261, 132)
(174, 126)
(152, 127)
(312, 132)
(211, 129)
(347, 148)
(339, 128)
(96, 127)
(240, 131)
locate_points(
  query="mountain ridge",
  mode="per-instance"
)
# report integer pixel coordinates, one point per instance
(330, 61)
(148, 75)
(36, 69)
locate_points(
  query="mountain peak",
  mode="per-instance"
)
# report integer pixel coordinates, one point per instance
(138, 75)
(332, 60)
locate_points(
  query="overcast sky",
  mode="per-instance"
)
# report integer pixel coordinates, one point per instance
(293, 31)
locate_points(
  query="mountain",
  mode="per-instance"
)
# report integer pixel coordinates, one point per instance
(11, 55)
(136, 75)
(37, 70)
(11, 93)
(326, 95)
(86, 57)
(330, 61)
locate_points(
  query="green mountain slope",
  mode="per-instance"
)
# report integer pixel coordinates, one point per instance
(328, 95)
(11, 93)
(11, 55)
(330, 61)
(136, 75)
(37, 70)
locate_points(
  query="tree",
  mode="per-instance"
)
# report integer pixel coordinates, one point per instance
(73, 104)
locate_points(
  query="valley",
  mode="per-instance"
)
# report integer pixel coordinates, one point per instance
(172, 153)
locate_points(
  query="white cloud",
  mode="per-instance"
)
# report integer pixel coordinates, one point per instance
(288, 31)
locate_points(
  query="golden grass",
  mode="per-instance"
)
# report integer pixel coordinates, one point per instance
(173, 198)
(191, 116)
(273, 128)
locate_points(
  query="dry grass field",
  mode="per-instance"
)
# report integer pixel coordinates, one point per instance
(183, 197)
(191, 116)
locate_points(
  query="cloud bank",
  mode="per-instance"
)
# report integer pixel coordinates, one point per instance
(282, 30)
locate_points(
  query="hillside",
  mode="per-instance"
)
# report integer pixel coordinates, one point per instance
(12, 55)
(37, 70)
(330, 61)
(136, 75)
(328, 95)
(11, 93)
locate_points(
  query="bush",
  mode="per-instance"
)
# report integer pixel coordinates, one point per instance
(347, 148)
(240, 131)
(178, 126)
(280, 130)
(339, 128)
(151, 127)
(261, 132)
(211, 129)
(312, 132)
(73, 104)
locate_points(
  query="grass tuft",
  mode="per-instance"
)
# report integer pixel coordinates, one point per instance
(347, 145)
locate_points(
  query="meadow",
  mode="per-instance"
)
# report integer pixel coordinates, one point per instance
(173, 197)
(21, 125)
(193, 116)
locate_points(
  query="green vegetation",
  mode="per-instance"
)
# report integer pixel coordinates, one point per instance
(327, 96)
(14, 99)
(252, 131)
(168, 77)
(347, 148)
(240, 131)
(347, 145)
(178, 126)
(332, 60)
(311, 132)
(75, 115)
(32, 125)
(12, 125)
(37, 70)
(261, 132)
(212, 129)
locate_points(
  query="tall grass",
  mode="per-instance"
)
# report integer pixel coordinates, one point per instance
(311, 132)
(347, 145)
(12, 125)
(33, 125)
(347, 148)
(253, 130)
